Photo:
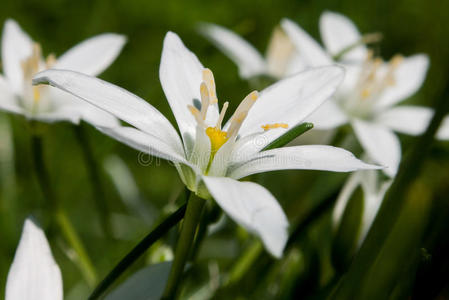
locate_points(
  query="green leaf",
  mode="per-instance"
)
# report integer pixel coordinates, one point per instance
(146, 284)
(289, 136)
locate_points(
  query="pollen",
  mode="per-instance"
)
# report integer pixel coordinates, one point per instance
(274, 126)
(217, 138)
(36, 94)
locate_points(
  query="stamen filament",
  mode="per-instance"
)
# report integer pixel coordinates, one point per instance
(204, 100)
(222, 114)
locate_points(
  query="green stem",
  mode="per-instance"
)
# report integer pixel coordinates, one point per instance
(58, 214)
(95, 179)
(185, 242)
(138, 250)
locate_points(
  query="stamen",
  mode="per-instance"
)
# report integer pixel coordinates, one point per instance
(222, 114)
(274, 126)
(36, 94)
(208, 78)
(197, 114)
(241, 112)
(204, 100)
(51, 60)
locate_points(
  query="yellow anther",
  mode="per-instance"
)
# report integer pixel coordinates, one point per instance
(366, 93)
(36, 94)
(274, 126)
(396, 60)
(208, 79)
(205, 100)
(197, 114)
(254, 95)
(217, 138)
(51, 60)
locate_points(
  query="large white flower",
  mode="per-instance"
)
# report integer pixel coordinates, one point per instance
(370, 91)
(212, 156)
(22, 59)
(34, 274)
(281, 58)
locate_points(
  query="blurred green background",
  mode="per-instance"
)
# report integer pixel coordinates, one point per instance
(408, 27)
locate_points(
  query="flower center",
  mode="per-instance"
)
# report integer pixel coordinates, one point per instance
(374, 77)
(30, 66)
(217, 136)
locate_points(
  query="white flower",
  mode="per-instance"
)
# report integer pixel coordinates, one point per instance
(211, 156)
(370, 91)
(281, 58)
(34, 274)
(22, 59)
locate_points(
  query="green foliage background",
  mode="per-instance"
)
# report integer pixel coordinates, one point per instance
(408, 27)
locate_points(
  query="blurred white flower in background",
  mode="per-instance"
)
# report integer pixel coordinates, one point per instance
(210, 156)
(372, 88)
(281, 58)
(22, 59)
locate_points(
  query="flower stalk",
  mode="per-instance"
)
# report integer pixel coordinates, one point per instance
(59, 216)
(185, 242)
(95, 180)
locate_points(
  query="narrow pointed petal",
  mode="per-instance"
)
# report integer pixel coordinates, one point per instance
(93, 55)
(381, 144)
(411, 120)
(328, 116)
(443, 131)
(292, 100)
(8, 101)
(310, 51)
(343, 197)
(372, 203)
(408, 77)
(254, 208)
(114, 100)
(338, 33)
(181, 76)
(309, 157)
(34, 274)
(144, 142)
(249, 61)
(16, 46)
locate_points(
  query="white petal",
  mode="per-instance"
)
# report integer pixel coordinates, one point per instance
(372, 203)
(181, 76)
(309, 157)
(220, 163)
(409, 76)
(311, 52)
(115, 100)
(380, 143)
(34, 274)
(8, 101)
(200, 155)
(339, 32)
(293, 99)
(16, 46)
(411, 120)
(243, 54)
(93, 55)
(144, 142)
(343, 197)
(254, 208)
(327, 116)
(443, 131)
